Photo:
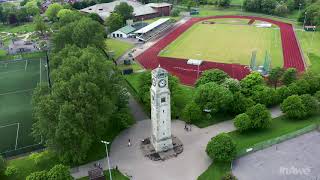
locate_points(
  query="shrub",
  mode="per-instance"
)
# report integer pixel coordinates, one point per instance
(229, 176)
(242, 122)
(293, 107)
(310, 103)
(221, 148)
(250, 81)
(59, 172)
(265, 95)
(240, 103)
(11, 171)
(40, 175)
(260, 116)
(232, 84)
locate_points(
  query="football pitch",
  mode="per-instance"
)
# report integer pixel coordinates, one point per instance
(18, 79)
(229, 41)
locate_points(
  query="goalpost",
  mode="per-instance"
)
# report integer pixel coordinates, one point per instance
(17, 133)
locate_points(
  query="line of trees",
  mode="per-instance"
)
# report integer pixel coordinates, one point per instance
(88, 101)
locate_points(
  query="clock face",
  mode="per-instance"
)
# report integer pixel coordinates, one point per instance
(162, 83)
(153, 81)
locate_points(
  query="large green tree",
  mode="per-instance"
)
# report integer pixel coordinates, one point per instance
(114, 22)
(192, 113)
(293, 107)
(82, 33)
(39, 175)
(221, 148)
(85, 94)
(249, 83)
(275, 76)
(260, 116)
(40, 25)
(52, 11)
(213, 97)
(125, 10)
(216, 75)
(289, 76)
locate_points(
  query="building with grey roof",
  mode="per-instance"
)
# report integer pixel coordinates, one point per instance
(140, 11)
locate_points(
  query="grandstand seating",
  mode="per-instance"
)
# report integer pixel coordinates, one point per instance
(154, 32)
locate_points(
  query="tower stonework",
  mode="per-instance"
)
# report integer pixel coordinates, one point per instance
(160, 111)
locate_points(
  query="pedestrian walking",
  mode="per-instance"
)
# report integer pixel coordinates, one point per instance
(129, 143)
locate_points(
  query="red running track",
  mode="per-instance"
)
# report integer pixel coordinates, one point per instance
(188, 74)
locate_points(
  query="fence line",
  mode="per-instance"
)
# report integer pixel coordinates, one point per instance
(277, 140)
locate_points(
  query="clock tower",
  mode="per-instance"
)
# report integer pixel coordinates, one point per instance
(160, 111)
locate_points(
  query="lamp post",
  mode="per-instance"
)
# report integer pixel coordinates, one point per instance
(305, 19)
(299, 7)
(106, 144)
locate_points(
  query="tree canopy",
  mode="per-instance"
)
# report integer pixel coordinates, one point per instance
(213, 97)
(114, 22)
(216, 75)
(53, 10)
(125, 10)
(86, 93)
(221, 148)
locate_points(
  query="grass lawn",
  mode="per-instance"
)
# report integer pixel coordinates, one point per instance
(116, 175)
(135, 66)
(215, 171)
(280, 126)
(27, 27)
(310, 44)
(315, 63)
(3, 52)
(25, 165)
(119, 47)
(227, 43)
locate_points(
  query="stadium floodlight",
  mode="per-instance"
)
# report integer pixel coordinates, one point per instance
(106, 144)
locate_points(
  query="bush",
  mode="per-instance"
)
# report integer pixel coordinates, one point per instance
(283, 92)
(3, 166)
(249, 83)
(229, 176)
(59, 172)
(260, 116)
(242, 122)
(232, 84)
(221, 148)
(40, 175)
(265, 95)
(293, 107)
(240, 103)
(11, 171)
(310, 103)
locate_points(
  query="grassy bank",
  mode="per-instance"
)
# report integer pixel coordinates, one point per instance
(280, 126)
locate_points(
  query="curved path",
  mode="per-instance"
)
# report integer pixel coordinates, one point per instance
(188, 73)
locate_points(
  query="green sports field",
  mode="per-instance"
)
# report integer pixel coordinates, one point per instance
(18, 79)
(227, 41)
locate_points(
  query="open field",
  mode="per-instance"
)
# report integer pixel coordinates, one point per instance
(27, 27)
(227, 42)
(119, 47)
(18, 79)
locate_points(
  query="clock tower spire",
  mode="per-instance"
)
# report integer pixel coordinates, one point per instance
(160, 111)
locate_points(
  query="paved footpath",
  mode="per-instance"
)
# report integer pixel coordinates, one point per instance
(187, 166)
